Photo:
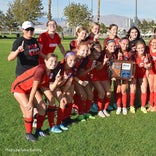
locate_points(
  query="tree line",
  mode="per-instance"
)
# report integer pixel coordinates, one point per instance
(76, 14)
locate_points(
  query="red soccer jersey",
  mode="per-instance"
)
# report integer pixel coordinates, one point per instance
(49, 44)
(140, 71)
(73, 44)
(24, 82)
(153, 61)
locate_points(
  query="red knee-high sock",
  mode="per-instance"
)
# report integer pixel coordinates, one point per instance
(81, 106)
(132, 99)
(28, 124)
(124, 100)
(106, 102)
(76, 100)
(100, 104)
(60, 115)
(95, 96)
(40, 120)
(143, 99)
(154, 98)
(88, 105)
(118, 99)
(68, 110)
(50, 113)
(151, 100)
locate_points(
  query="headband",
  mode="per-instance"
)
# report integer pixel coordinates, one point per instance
(70, 53)
(109, 41)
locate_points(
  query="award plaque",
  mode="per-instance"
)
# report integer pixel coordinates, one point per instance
(122, 69)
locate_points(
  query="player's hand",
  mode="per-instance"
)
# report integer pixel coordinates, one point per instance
(21, 47)
(28, 107)
(58, 76)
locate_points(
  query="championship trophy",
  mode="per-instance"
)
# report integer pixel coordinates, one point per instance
(123, 70)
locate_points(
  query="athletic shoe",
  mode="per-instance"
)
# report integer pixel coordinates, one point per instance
(143, 109)
(132, 109)
(153, 109)
(118, 111)
(106, 113)
(62, 127)
(89, 116)
(81, 118)
(30, 137)
(150, 108)
(55, 129)
(124, 111)
(40, 133)
(100, 114)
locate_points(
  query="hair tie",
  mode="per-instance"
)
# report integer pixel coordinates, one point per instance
(69, 53)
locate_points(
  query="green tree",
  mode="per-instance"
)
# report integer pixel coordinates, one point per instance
(77, 14)
(2, 17)
(103, 28)
(26, 10)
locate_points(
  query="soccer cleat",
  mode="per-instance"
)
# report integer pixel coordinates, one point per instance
(62, 127)
(55, 129)
(81, 118)
(30, 137)
(100, 114)
(143, 109)
(124, 111)
(132, 109)
(40, 133)
(89, 116)
(106, 113)
(118, 111)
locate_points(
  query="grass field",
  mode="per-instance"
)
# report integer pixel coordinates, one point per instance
(131, 135)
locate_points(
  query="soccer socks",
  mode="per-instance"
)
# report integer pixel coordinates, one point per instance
(68, 110)
(60, 115)
(40, 120)
(118, 99)
(106, 102)
(88, 105)
(100, 104)
(28, 124)
(132, 99)
(143, 99)
(151, 99)
(50, 113)
(124, 100)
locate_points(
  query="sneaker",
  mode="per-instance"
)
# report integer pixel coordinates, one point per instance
(118, 111)
(150, 108)
(81, 118)
(132, 109)
(106, 113)
(143, 109)
(62, 127)
(100, 114)
(124, 111)
(40, 133)
(55, 129)
(30, 137)
(89, 116)
(34, 123)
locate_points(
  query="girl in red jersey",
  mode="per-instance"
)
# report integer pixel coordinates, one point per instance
(121, 86)
(94, 34)
(24, 89)
(49, 40)
(101, 79)
(67, 86)
(83, 96)
(81, 33)
(113, 30)
(152, 75)
(142, 64)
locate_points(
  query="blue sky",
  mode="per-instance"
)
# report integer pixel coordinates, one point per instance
(146, 8)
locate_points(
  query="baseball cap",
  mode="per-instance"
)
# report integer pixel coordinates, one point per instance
(27, 24)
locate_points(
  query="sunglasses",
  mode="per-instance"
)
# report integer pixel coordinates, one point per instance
(29, 29)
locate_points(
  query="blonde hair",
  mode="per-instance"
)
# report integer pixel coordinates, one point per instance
(79, 29)
(94, 24)
(51, 55)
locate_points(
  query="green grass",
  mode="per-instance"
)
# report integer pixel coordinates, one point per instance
(131, 135)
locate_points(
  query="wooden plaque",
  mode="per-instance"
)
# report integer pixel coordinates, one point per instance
(122, 69)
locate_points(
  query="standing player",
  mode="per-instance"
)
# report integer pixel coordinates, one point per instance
(49, 40)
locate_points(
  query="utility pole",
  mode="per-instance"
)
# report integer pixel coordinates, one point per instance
(49, 10)
(136, 12)
(98, 18)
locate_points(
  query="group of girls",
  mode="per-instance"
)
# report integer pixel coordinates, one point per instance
(83, 76)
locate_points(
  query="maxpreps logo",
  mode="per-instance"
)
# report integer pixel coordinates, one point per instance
(33, 50)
